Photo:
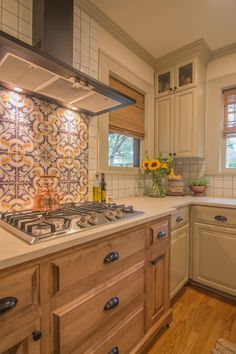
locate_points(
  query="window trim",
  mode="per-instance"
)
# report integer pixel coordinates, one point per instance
(215, 142)
(110, 67)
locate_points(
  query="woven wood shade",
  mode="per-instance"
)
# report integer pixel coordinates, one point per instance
(128, 120)
(230, 113)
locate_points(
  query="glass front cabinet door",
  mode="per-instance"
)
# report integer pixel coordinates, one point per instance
(186, 74)
(181, 76)
(165, 82)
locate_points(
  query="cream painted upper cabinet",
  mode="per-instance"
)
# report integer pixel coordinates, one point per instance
(180, 110)
(181, 76)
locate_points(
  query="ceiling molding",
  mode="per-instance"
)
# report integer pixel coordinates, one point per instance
(221, 52)
(116, 31)
(197, 48)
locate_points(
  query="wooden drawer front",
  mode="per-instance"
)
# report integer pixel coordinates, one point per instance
(213, 215)
(80, 319)
(179, 217)
(89, 261)
(19, 289)
(121, 339)
(159, 232)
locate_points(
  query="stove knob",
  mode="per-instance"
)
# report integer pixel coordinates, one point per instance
(82, 222)
(110, 215)
(92, 220)
(119, 214)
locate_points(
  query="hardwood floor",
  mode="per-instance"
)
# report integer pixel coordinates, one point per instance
(199, 321)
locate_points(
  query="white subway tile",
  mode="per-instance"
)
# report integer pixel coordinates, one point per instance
(85, 27)
(25, 13)
(94, 33)
(93, 24)
(11, 6)
(85, 49)
(93, 65)
(25, 28)
(94, 44)
(77, 21)
(27, 3)
(93, 54)
(10, 20)
(10, 31)
(227, 193)
(25, 39)
(84, 17)
(84, 38)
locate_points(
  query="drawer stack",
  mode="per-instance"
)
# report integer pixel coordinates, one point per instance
(97, 292)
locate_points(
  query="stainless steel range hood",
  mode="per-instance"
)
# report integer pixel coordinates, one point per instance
(43, 76)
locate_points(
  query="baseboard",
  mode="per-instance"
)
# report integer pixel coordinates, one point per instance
(212, 292)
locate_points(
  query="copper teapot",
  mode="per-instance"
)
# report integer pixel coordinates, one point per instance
(46, 197)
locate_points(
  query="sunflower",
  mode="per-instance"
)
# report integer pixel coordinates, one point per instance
(145, 165)
(154, 165)
(164, 165)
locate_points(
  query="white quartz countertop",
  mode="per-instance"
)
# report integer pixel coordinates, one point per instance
(13, 250)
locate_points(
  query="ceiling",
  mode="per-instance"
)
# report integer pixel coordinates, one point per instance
(161, 26)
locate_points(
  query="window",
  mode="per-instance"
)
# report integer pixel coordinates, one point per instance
(123, 150)
(230, 127)
(126, 129)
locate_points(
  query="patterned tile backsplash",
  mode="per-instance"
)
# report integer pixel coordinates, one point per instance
(40, 138)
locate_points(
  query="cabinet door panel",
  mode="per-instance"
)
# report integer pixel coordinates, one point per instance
(157, 287)
(21, 340)
(179, 259)
(214, 261)
(185, 123)
(164, 124)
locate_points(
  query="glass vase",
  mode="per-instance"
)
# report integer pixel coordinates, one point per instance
(157, 189)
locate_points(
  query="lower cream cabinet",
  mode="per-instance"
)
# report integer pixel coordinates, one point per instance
(214, 257)
(179, 268)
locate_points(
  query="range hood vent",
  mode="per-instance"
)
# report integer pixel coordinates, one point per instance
(43, 76)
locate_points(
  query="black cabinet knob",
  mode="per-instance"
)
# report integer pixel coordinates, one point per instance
(179, 218)
(162, 234)
(112, 303)
(114, 350)
(7, 304)
(36, 335)
(111, 257)
(220, 218)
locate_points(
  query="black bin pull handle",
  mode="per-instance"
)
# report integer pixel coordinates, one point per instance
(114, 350)
(36, 335)
(112, 303)
(162, 234)
(220, 218)
(179, 218)
(111, 257)
(7, 304)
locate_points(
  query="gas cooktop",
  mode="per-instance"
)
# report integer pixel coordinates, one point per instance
(38, 226)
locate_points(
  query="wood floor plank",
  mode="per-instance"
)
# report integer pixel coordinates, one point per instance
(199, 321)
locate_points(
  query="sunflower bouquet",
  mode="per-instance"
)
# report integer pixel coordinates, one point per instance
(159, 168)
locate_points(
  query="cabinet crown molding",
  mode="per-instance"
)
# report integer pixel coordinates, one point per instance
(198, 48)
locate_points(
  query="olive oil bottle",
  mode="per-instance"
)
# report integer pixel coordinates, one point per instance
(97, 191)
(103, 187)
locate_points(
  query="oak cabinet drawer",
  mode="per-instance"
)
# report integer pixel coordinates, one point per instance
(106, 257)
(159, 232)
(215, 215)
(121, 339)
(19, 292)
(179, 217)
(78, 320)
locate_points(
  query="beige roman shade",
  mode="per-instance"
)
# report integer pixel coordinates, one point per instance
(230, 112)
(128, 120)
